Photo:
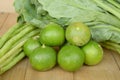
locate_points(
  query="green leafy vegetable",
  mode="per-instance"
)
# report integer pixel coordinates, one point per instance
(102, 16)
(106, 32)
(64, 12)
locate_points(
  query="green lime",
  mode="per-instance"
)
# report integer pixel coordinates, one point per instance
(93, 53)
(52, 35)
(78, 34)
(30, 45)
(43, 58)
(70, 58)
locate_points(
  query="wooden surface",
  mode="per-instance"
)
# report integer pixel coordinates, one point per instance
(108, 69)
(7, 6)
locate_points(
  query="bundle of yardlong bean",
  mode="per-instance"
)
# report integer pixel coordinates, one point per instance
(11, 44)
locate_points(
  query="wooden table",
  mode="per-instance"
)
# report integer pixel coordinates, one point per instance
(108, 69)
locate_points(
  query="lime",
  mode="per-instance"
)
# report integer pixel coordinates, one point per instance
(78, 34)
(30, 45)
(70, 58)
(93, 53)
(52, 35)
(43, 58)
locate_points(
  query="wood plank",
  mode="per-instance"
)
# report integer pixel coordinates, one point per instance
(117, 58)
(54, 74)
(7, 6)
(9, 22)
(3, 17)
(106, 70)
(97, 75)
(1, 78)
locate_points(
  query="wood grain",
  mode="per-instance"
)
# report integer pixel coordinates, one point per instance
(7, 6)
(117, 58)
(54, 74)
(3, 17)
(108, 69)
(17, 72)
(8, 22)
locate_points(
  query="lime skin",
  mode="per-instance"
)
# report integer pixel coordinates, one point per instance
(78, 34)
(93, 53)
(70, 58)
(52, 35)
(30, 45)
(43, 58)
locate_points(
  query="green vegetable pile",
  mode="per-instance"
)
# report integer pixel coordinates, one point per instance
(101, 16)
(75, 48)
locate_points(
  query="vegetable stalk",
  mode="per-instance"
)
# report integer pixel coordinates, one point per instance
(11, 52)
(114, 3)
(18, 31)
(9, 43)
(6, 36)
(12, 63)
(102, 4)
(8, 60)
(30, 34)
(112, 46)
(15, 50)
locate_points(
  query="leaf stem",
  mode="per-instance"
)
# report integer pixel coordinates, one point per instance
(106, 7)
(114, 3)
(112, 46)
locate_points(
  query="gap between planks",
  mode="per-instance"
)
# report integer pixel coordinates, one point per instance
(116, 56)
(3, 17)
